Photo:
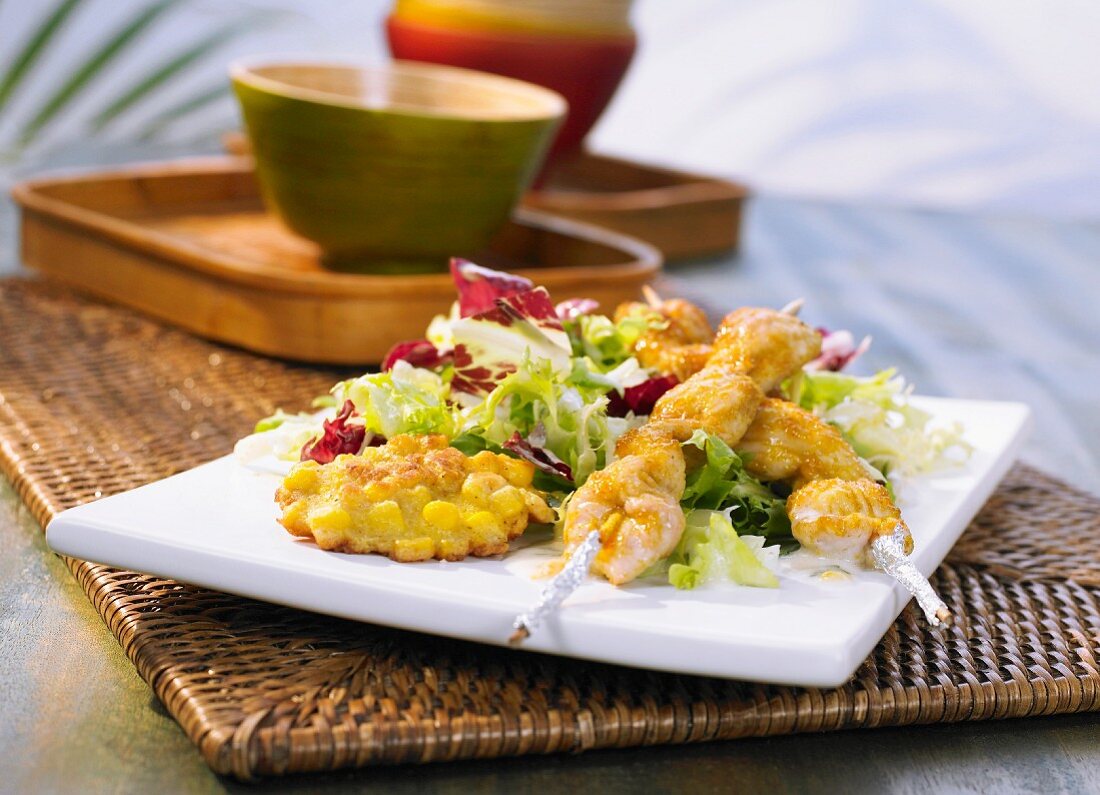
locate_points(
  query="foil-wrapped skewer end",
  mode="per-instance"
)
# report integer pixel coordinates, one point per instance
(889, 555)
(558, 589)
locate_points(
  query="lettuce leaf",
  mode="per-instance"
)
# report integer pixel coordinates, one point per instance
(722, 483)
(573, 418)
(838, 350)
(604, 341)
(405, 399)
(711, 550)
(418, 353)
(339, 436)
(875, 416)
(280, 437)
(533, 450)
(573, 308)
(488, 346)
(640, 398)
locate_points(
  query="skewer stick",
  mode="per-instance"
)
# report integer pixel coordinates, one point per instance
(889, 555)
(794, 307)
(652, 297)
(558, 589)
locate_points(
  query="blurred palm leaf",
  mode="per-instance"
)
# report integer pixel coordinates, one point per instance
(142, 94)
(162, 74)
(86, 72)
(34, 48)
(178, 111)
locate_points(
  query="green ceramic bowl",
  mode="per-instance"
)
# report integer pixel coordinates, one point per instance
(393, 168)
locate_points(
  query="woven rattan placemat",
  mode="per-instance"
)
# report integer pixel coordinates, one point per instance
(95, 400)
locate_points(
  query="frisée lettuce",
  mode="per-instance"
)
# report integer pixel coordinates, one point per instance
(875, 416)
(605, 341)
(570, 415)
(405, 399)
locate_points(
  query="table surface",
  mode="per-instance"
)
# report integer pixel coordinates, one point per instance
(965, 306)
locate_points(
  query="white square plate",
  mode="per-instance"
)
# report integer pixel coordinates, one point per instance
(215, 526)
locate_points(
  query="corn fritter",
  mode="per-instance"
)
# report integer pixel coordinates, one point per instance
(413, 498)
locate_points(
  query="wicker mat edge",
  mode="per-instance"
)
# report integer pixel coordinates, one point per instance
(1050, 665)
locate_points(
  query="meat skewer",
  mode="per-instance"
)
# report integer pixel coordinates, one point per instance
(837, 509)
(557, 590)
(681, 345)
(633, 504)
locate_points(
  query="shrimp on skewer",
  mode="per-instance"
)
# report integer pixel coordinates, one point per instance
(634, 503)
(681, 345)
(767, 346)
(837, 509)
(747, 338)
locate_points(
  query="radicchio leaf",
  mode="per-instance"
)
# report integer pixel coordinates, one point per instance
(535, 453)
(641, 398)
(488, 345)
(575, 307)
(838, 350)
(338, 438)
(535, 307)
(418, 353)
(479, 288)
(476, 379)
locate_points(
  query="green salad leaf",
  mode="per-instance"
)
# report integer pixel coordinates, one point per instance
(604, 341)
(574, 415)
(875, 416)
(730, 516)
(711, 550)
(722, 483)
(280, 436)
(405, 399)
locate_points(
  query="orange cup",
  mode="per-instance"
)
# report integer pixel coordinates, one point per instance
(584, 67)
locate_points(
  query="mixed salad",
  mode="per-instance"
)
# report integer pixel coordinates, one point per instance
(510, 371)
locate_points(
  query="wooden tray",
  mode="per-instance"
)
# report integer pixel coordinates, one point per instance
(189, 243)
(684, 215)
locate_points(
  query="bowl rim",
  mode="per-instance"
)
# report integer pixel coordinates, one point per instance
(244, 71)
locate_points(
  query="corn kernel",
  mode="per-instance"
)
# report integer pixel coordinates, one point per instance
(302, 478)
(441, 514)
(482, 522)
(507, 502)
(294, 516)
(414, 548)
(484, 462)
(331, 519)
(518, 473)
(377, 491)
(454, 548)
(476, 491)
(404, 445)
(386, 516)
(420, 495)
